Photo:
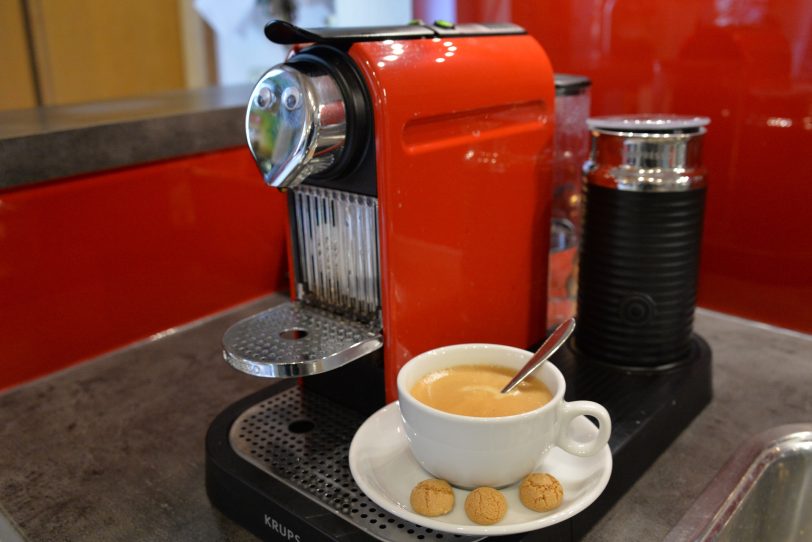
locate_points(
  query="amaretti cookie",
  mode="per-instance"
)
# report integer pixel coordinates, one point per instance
(541, 492)
(485, 505)
(432, 498)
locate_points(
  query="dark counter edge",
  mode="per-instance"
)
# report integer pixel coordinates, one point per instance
(49, 143)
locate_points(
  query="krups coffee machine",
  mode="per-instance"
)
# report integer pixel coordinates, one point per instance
(416, 162)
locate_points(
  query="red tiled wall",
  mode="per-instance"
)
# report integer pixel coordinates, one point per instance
(748, 66)
(91, 263)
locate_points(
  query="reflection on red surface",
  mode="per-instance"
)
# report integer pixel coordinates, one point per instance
(463, 191)
(746, 64)
(95, 262)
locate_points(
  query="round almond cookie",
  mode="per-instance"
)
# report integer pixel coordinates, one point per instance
(485, 505)
(432, 498)
(541, 492)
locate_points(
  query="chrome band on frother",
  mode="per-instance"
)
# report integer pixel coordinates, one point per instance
(647, 153)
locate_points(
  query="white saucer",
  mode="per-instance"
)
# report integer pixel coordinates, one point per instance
(385, 470)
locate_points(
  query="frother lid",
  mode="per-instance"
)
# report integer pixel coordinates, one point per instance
(567, 84)
(649, 124)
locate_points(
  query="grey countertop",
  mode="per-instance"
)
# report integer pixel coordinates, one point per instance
(47, 143)
(112, 449)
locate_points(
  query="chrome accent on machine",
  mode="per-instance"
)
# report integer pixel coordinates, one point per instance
(336, 245)
(295, 339)
(295, 124)
(337, 318)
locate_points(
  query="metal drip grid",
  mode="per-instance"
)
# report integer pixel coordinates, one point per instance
(295, 339)
(303, 440)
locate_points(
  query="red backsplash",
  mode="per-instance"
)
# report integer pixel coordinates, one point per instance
(91, 263)
(746, 64)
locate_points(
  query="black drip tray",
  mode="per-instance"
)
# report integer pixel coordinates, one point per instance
(302, 440)
(648, 409)
(276, 461)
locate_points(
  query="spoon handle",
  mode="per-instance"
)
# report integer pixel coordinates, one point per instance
(557, 338)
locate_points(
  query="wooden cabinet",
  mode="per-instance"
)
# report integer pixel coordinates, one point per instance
(89, 50)
(17, 89)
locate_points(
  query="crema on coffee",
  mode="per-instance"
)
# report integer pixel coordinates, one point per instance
(474, 390)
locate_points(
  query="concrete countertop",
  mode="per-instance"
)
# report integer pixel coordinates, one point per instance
(112, 449)
(46, 143)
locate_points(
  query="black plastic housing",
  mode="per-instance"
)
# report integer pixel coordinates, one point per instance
(638, 275)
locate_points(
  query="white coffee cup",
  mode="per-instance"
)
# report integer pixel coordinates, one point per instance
(470, 452)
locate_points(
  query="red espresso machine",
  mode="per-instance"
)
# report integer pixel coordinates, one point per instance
(416, 162)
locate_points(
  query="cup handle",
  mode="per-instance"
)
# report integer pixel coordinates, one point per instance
(568, 412)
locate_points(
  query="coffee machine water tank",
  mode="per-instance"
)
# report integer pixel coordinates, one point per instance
(417, 164)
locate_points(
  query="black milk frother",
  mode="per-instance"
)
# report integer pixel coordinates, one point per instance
(644, 189)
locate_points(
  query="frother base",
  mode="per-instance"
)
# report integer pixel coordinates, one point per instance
(289, 476)
(648, 409)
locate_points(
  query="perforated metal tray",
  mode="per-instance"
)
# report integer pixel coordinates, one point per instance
(303, 440)
(295, 339)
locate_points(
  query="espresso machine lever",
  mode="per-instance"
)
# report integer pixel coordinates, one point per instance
(295, 124)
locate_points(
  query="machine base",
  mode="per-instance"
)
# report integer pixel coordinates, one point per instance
(281, 470)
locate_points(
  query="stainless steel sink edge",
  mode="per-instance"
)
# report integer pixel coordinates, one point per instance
(725, 494)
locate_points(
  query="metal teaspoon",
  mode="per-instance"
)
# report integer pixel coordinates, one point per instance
(558, 337)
